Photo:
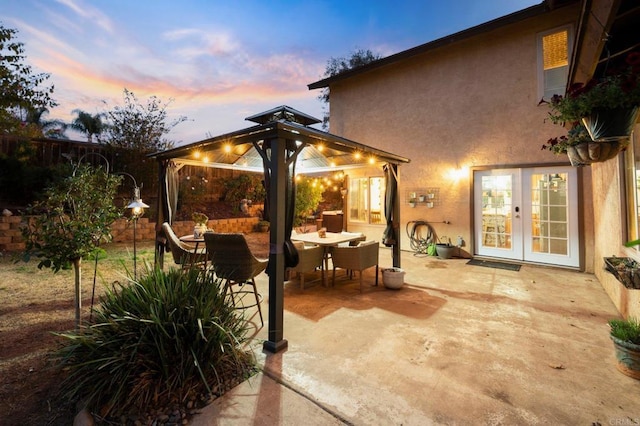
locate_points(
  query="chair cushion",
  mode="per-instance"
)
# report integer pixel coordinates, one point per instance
(367, 243)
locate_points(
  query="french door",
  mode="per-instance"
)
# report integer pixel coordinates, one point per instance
(527, 214)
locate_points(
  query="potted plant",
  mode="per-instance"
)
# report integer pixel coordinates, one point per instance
(608, 105)
(581, 149)
(625, 335)
(625, 269)
(393, 278)
(263, 225)
(445, 249)
(200, 226)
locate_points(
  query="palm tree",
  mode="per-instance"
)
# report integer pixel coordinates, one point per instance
(88, 124)
(49, 128)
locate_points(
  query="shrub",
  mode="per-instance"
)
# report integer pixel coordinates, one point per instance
(244, 186)
(308, 197)
(165, 340)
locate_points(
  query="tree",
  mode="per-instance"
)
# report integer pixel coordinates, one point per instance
(90, 125)
(140, 127)
(48, 128)
(308, 196)
(21, 90)
(335, 66)
(71, 221)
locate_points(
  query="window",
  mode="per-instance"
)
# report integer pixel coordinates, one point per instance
(632, 179)
(366, 200)
(553, 62)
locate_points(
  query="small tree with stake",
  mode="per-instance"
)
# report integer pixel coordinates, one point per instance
(71, 221)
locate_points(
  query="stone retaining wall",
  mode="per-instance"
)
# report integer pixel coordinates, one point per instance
(10, 234)
(122, 229)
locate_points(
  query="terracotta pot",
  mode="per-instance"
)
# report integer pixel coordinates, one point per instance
(611, 124)
(593, 152)
(628, 357)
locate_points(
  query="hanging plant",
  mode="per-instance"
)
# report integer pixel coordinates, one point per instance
(581, 149)
(608, 106)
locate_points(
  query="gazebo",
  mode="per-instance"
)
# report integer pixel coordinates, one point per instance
(281, 141)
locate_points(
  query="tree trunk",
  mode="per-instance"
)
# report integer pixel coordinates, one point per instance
(78, 279)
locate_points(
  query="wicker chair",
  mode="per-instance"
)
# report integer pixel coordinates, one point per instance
(360, 238)
(356, 258)
(232, 260)
(183, 254)
(310, 259)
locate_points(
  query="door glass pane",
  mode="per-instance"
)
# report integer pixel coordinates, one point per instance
(377, 200)
(549, 213)
(366, 200)
(496, 211)
(358, 196)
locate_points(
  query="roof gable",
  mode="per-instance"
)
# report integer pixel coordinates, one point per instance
(530, 12)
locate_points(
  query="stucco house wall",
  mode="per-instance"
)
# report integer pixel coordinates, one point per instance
(609, 204)
(470, 104)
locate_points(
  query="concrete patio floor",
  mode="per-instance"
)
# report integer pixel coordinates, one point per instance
(458, 344)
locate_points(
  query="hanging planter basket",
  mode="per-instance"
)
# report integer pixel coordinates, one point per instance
(611, 124)
(593, 152)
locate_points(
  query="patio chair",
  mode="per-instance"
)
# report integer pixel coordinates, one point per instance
(183, 254)
(356, 258)
(359, 235)
(232, 260)
(311, 258)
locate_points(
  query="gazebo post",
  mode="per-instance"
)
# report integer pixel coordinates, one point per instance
(396, 219)
(277, 213)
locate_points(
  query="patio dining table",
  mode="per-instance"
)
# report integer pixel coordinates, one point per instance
(331, 239)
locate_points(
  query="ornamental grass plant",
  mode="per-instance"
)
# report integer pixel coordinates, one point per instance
(170, 339)
(626, 330)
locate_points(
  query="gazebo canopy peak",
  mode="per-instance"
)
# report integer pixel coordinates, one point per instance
(285, 113)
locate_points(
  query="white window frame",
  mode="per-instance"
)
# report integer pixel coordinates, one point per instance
(540, 62)
(632, 190)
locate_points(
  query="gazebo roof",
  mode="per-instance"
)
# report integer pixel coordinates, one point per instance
(324, 152)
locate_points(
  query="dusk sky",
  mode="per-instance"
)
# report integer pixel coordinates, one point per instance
(220, 61)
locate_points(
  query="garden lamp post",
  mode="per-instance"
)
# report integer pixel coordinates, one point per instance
(137, 207)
